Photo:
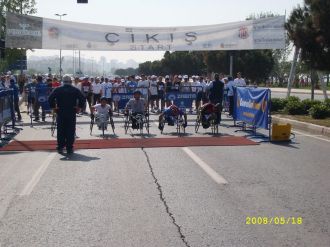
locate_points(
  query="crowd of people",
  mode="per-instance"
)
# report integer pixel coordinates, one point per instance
(70, 96)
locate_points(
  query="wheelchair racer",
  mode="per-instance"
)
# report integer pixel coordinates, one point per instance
(170, 114)
(208, 111)
(137, 105)
(103, 108)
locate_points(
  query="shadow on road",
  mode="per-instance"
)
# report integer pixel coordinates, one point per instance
(78, 157)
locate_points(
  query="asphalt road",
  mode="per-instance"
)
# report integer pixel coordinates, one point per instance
(163, 196)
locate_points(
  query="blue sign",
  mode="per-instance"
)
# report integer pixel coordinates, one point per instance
(251, 105)
(181, 100)
(122, 99)
(42, 94)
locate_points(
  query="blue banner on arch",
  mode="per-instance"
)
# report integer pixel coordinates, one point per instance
(252, 106)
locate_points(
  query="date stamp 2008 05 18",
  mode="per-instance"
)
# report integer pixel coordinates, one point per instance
(277, 220)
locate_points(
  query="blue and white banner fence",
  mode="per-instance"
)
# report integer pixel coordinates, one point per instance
(6, 106)
(252, 106)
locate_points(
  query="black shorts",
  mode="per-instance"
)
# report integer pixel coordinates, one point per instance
(161, 95)
(153, 97)
(199, 96)
(109, 100)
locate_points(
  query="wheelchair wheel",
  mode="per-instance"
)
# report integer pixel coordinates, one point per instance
(103, 129)
(179, 126)
(214, 127)
(140, 125)
(198, 122)
(126, 125)
(112, 124)
(54, 124)
(162, 124)
(147, 125)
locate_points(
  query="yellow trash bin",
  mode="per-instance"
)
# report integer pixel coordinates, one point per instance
(281, 132)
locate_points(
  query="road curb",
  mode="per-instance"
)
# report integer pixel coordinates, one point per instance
(308, 127)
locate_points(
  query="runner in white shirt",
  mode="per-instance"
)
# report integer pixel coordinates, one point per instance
(153, 89)
(96, 89)
(239, 81)
(185, 85)
(106, 91)
(143, 87)
(199, 85)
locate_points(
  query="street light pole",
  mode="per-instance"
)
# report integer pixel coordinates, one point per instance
(60, 15)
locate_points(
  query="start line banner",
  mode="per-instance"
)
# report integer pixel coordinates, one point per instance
(33, 32)
(252, 106)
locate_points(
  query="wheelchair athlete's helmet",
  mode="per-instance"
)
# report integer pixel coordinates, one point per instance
(103, 98)
(137, 92)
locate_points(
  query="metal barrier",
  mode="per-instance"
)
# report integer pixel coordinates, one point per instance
(7, 113)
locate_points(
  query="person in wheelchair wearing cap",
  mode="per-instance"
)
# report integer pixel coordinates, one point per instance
(137, 105)
(208, 111)
(103, 110)
(170, 114)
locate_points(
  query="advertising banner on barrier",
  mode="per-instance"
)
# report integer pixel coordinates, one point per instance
(122, 99)
(33, 32)
(181, 100)
(6, 106)
(252, 106)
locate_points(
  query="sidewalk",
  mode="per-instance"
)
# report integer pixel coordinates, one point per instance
(297, 90)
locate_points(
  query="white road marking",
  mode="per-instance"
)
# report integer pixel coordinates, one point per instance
(36, 177)
(312, 136)
(207, 169)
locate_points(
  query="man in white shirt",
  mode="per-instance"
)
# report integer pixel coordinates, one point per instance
(143, 87)
(230, 86)
(96, 89)
(106, 91)
(239, 81)
(185, 85)
(153, 89)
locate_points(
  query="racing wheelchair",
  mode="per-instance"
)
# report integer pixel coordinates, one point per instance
(102, 121)
(138, 121)
(208, 118)
(177, 121)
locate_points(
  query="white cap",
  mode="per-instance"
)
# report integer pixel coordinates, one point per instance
(185, 77)
(167, 76)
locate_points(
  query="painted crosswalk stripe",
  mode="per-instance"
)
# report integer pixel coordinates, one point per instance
(206, 168)
(36, 177)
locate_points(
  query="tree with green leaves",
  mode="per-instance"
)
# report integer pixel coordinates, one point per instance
(16, 6)
(308, 28)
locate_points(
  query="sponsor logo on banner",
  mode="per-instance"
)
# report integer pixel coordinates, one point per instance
(252, 106)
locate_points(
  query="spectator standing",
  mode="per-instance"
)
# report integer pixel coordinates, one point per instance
(96, 89)
(66, 101)
(15, 88)
(239, 81)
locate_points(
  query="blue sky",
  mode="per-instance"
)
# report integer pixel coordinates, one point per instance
(155, 13)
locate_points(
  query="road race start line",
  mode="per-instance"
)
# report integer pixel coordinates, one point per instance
(50, 145)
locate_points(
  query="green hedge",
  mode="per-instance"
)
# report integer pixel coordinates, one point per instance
(319, 111)
(308, 104)
(278, 104)
(294, 107)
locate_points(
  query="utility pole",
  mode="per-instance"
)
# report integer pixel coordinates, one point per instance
(60, 15)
